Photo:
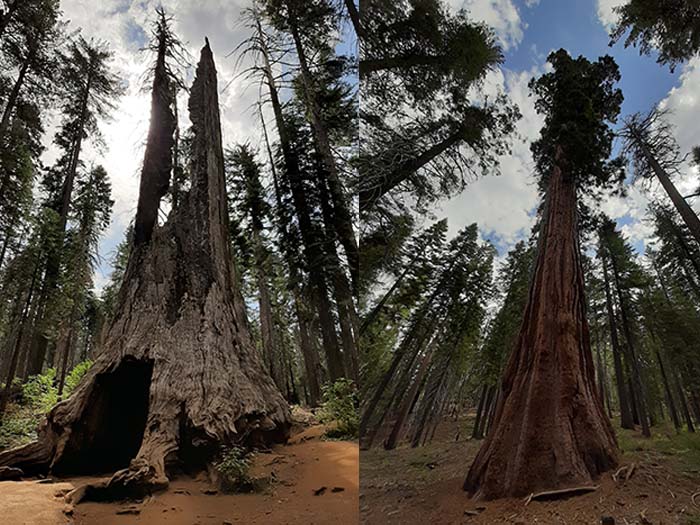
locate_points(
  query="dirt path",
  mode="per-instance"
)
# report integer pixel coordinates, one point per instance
(424, 486)
(302, 467)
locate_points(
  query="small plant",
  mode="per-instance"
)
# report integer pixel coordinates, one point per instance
(234, 468)
(339, 410)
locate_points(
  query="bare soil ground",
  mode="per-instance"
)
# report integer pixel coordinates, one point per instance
(300, 468)
(424, 485)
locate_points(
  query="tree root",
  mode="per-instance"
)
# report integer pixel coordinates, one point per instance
(625, 471)
(692, 498)
(560, 493)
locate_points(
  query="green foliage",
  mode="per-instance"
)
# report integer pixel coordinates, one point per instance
(579, 101)
(669, 29)
(39, 396)
(234, 468)
(339, 410)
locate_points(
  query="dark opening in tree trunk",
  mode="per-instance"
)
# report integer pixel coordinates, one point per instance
(109, 434)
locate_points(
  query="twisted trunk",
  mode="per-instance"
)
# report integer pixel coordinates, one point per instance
(550, 430)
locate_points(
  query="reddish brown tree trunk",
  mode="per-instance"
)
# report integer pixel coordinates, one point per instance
(550, 430)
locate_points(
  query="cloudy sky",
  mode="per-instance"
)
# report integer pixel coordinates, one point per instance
(528, 30)
(125, 26)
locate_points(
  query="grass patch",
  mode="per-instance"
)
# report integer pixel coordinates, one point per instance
(683, 447)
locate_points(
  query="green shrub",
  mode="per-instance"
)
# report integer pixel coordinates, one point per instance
(339, 410)
(234, 468)
(39, 396)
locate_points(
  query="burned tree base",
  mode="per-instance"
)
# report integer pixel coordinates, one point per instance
(178, 378)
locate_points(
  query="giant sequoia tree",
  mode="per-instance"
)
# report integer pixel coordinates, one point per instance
(550, 430)
(178, 376)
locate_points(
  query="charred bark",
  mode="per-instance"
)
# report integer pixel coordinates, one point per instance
(550, 430)
(178, 377)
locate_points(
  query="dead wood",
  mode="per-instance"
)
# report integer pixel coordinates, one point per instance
(560, 493)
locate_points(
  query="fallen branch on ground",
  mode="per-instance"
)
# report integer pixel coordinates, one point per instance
(553, 494)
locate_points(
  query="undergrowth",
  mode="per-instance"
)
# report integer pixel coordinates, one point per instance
(36, 398)
(339, 410)
(234, 468)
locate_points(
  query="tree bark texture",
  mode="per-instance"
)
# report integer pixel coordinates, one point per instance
(550, 430)
(178, 377)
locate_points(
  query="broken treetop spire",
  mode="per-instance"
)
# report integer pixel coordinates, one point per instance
(178, 377)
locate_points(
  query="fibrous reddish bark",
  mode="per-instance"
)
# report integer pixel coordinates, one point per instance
(550, 430)
(178, 377)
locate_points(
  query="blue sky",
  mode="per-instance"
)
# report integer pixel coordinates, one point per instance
(528, 31)
(503, 206)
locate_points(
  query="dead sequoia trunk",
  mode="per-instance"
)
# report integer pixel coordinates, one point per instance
(550, 430)
(178, 376)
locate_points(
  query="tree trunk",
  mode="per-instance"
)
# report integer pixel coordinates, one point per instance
(476, 432)
(637, 387)
(12, 102)
(311, 361)
(550, 430)
(309, 232)
(686, 212)
(622, 394)
(178, 377)
(369, 197)
(430, 398)
(53, 259)
(409, 397)
(265, 306)
(669, 394)
(343, 218)
(354, 15)
(16, 349)
(684, 405)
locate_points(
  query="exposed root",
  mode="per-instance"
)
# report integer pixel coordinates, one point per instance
(692, 498)
(624, 473)
(560, 493)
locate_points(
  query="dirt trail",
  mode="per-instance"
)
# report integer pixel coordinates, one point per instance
(303, 466)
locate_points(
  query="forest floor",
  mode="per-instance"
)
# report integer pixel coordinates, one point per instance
(424, 485)
(301, 469)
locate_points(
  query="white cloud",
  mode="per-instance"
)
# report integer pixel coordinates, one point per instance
(606, 13)
(503, 205)
(501, 15)
(124, 25)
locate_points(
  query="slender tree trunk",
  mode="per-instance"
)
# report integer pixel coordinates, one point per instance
(636, 374)
(430, 398)
(309, 354)
(476, 432)
(354, 15)
(15, 353)
(308, 231)
(409, 397)
(669, 394)
(369, 319)
(53, 259)
(626, 420)
(684, 404)
(550, 430)
(370, 196)
(686, 212)
(265, 306)
(12, 102)
(343, 223)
